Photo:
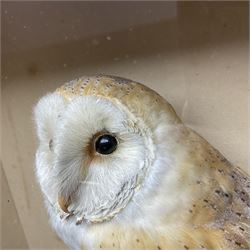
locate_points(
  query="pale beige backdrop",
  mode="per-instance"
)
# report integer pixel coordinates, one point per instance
(195, 54)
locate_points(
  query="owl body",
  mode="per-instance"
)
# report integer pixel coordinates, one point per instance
(162, 187)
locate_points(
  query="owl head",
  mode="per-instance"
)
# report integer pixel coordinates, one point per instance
(101, 140)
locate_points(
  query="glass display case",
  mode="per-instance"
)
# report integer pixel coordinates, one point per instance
(195, 54)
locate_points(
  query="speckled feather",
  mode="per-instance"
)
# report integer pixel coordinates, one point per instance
(216, 213)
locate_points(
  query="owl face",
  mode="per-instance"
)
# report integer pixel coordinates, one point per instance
(97, 154)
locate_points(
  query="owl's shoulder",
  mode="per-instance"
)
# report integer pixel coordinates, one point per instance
(225, 202)
(186, 238)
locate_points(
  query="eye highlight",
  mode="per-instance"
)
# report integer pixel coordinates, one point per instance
(106, 144)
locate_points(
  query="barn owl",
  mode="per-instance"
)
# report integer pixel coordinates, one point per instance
(119, 170)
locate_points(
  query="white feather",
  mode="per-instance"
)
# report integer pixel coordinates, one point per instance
(108, 188)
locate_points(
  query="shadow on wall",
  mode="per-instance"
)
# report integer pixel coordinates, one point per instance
(206, 28)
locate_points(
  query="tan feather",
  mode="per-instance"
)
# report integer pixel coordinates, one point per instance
(216, 216)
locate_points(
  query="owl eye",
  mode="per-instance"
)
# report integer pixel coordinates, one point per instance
(106, 144)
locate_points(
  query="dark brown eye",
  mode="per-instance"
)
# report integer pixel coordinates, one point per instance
(106, 144)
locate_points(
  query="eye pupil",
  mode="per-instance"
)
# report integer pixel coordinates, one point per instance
(106, 144)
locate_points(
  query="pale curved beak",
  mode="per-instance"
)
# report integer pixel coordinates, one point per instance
(64, 204)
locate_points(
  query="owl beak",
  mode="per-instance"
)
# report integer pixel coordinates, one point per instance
(64, 204)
